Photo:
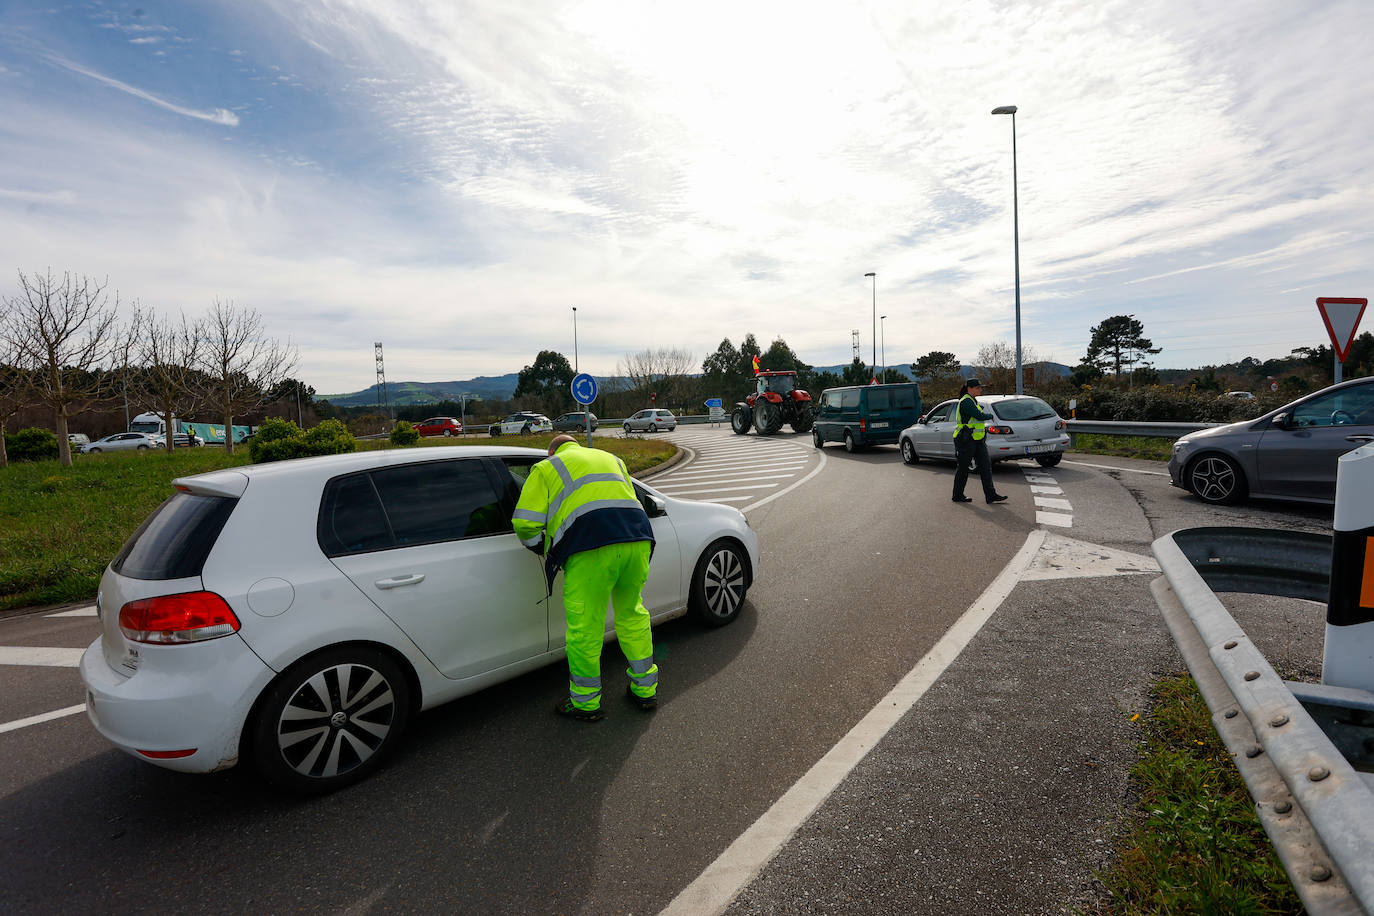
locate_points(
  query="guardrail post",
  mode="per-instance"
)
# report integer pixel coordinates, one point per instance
(1348, 656)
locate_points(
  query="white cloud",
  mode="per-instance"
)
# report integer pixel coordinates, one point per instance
(215, 115)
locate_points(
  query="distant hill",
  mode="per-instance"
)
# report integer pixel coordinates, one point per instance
(502, 387)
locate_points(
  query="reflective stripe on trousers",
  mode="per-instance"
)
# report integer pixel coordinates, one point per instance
(613, 575)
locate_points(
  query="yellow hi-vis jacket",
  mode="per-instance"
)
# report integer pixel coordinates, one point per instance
(578, 499)
(967, 415)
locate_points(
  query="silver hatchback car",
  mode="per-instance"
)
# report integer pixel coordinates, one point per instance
(651, 421)
(1021, 427)
(1289, 453)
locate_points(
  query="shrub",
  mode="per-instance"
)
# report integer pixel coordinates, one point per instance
(52, 484)
(279, 440)
(404, 434)
(32, 444)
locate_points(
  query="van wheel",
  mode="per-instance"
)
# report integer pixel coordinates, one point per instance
(909, 452)
(849, 445)
(816, 438)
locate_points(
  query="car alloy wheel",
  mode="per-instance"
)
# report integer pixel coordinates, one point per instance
(1215, 479)
(448, 432)
(909, 452)
(330, 719)
(627, 427)
(653, 427)
(719, 583)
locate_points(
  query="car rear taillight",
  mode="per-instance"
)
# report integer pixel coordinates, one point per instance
(176, 619)
(995, 430)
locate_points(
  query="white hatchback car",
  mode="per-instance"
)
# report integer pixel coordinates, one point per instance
(1021, 427)
(297, 614)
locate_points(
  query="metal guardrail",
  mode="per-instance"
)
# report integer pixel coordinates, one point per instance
(1134, 428)
(1316, 808)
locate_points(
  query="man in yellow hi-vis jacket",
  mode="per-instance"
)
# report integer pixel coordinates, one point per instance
(579, 511)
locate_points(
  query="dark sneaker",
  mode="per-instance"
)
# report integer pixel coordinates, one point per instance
(962, 499)
(995, 498)
(566, 708)
(645, 703)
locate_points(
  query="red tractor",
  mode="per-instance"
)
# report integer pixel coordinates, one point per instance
(776, 400)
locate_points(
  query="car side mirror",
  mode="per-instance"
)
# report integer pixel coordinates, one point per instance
(1280, 420)
(654, 507)
(921, 419)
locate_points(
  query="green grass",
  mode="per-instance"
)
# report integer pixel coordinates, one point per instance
(59, 527)
(1195, 843)
(1151, 447)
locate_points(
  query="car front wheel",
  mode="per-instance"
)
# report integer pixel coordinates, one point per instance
(627, 427)
(448, 432)
(330, 719)
(909, 452)
(1216, 479)
(719, 583)
(92, 451)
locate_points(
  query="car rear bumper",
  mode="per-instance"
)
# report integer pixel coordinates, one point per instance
(1021, 448)
(181, 697)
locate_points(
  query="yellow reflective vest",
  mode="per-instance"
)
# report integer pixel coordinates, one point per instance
(974, 421)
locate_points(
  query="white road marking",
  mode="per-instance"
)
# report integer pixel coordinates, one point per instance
(77, 612)
(40, 656)
(1052, 491)
(1112, 467)
(675, 491)
(1046, 502)
(42, 717)
(1066, 558)
(729, 475)
(820, 466)
(1054, 518)
(716, 887)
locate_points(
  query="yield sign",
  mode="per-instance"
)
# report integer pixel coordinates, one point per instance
(1342, 317)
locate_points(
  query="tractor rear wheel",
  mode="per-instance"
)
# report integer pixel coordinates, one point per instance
(740, 420)
(767, 417)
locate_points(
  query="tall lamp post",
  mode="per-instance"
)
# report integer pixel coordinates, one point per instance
(882, 326)
(1016, 235)
(575, 368)
(874, 275)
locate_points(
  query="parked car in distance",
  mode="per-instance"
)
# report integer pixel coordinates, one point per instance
(78, 440)
(297, 615)
(524, 422)
(1288, 453)
(439, 426)
(650, 420)
(1242, 395)
(119, 442)
(864, 415)
(1021, 427)
(180, 440)
(574, 422)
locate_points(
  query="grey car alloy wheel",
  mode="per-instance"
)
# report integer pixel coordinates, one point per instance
(1214, 479)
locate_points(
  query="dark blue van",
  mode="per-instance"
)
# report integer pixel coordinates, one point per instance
(866, 415)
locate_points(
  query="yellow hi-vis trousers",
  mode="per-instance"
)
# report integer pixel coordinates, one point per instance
(592, 580)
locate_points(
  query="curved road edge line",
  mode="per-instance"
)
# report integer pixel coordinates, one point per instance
(716, 887)
(789, 488)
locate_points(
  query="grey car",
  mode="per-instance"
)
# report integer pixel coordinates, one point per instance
(1289, 453)
(1021, 427)
(573, 422)
(119, 442)
(650, 420)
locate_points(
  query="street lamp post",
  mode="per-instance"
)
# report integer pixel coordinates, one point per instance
(575, 365)
(1016, 235)
(882, 327)
(874, 275)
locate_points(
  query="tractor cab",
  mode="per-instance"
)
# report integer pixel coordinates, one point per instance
(777, 382)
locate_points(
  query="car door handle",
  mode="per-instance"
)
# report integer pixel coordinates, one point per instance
(398, 581)
(1360, 437)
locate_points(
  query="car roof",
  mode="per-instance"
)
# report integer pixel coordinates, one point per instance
(327, 466)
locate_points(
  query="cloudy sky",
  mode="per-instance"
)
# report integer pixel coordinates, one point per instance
(451, 178)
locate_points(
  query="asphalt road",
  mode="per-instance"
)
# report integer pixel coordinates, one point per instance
(998, 791)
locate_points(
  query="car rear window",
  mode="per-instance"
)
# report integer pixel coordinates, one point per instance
(175, 540)
(1024, 409)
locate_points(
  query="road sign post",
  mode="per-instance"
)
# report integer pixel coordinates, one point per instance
(584, 392)
(1341, 317)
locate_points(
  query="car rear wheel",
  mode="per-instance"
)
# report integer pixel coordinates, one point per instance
(141, 447)
(448, 432)
(653, 427)
(1216, 479)
(92, 451)
(330, 719)
(495, 431)
(909, 452)
(1049, 461)
(719, 583)
(849, 445)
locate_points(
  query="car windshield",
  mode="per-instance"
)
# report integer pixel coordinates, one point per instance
(1024, 409)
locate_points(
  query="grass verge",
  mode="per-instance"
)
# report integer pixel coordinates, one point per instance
(59, 527)
(1151, 447)
(1195, 844)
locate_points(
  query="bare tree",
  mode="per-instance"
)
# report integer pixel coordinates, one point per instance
(664, 371)
(998, 359)
(64, 333)
(165, 353)
(241, 363)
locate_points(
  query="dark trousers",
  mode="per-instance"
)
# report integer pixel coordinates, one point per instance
(967, 449)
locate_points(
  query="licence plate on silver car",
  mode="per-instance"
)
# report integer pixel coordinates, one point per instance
(1036, 449)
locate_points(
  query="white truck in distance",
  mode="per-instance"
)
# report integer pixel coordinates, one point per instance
(152, 424)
